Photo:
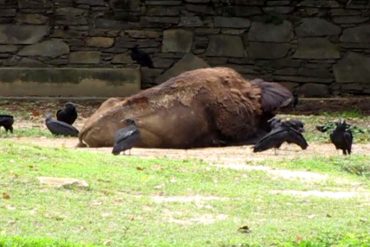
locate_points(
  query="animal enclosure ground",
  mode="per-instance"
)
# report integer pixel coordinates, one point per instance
(201, 197)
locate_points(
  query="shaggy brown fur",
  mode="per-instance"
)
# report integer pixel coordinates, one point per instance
(203, 107)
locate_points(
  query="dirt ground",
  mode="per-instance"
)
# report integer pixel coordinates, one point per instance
(218, 155)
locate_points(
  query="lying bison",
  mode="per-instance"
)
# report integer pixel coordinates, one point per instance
(198, 108)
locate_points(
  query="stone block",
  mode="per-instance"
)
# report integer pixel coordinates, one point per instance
(160, 20)
(314, 90)
(200, 9)
(71, 16)
(100, 42)
(279, 9)
(48, 48)
(233, 22)
(316, 27)
(360, 34)
(22, 34)
(162, 11)
(269, 32)
(353, 68)
(225, 45)
(177, 40)
(190, 21)
(34, 4)
(122, 59)
(8, 48)
(267, 50)
(165, 2)
(143, 34)
(91, 2)
(29, 62)
(86, 82)
(245, 11)
(197, 1)
(305, 79)
(36, 19)
(188, 62)
(7, 12)
(316, 48)
(350, 19)
(84, 57)
(160, 62)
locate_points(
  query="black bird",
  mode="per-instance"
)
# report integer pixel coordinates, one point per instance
(141, 57)
(126, 137)
(342, 137)
(293, 123)
(7, 122)
(60, 128)
(276, 137)
(68, 114)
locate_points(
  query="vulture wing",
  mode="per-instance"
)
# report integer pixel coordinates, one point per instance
(348, 138)
(125, 138)
(61, 128)
(273, 139)
(296, 137)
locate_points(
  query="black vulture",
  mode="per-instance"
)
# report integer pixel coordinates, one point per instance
(60, 128)
(126, 137)
(276, 137)
(342, 137)
(7, 122)
(141, 57)
(68, 114)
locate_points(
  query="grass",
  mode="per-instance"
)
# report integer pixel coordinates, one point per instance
(36, 242)
(121, 207)
(354, 164)
(352, 117)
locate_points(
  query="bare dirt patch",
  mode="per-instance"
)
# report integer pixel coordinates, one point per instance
(324, 194)
(218, 155)
(280, 173)
(184, 199)
(178, 217)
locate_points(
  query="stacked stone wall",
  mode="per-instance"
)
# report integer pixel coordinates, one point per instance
(316, 47)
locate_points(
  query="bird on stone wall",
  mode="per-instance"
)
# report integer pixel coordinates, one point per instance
(342, 137)
(68, 114)
(60, 128)
(7, 121)
(141, 57)
(126, 137)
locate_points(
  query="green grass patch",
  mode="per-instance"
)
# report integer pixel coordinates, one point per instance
(354, 164)
(36, 242)
(353, 118)
(26, 132)
(159, 202)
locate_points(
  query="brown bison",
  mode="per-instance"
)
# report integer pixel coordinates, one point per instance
(198, 108)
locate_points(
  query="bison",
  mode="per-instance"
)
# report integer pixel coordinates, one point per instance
(199, 108)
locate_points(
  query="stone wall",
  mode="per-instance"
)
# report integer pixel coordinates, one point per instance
(317, 47)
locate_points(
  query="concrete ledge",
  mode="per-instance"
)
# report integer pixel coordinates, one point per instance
(69, 82)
